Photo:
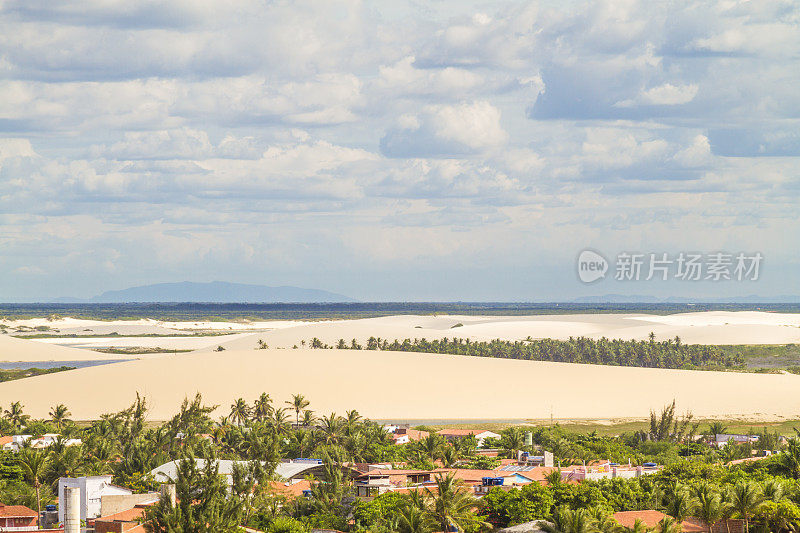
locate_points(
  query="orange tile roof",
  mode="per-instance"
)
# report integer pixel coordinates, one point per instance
(8, 439)
(12, 511)
(693, 525)
(291, 490)
(650, 518)
(460, 432)
(128, 515)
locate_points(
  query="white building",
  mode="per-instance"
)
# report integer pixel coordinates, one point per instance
(92, 489)
(608, 471)
(479, 434)
(46, 440)
(721, 439)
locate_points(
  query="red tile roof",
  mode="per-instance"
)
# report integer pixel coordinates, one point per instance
(290, 490)
(460, 432)
(128, 515)
(16, 511)
(649, 518)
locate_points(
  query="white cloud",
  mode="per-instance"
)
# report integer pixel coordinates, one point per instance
(229, 135)
(446, 130)
(666, 94)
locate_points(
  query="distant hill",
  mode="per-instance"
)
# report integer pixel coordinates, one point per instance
(213, 292)
(638, 298)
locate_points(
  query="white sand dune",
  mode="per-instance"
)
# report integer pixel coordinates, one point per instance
(389, 385)
(26, 350)
(182, 342)
(700, 328)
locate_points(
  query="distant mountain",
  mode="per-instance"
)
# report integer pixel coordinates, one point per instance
(638, 298)
(213, 292)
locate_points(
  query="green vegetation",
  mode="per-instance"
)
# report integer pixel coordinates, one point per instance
(137, 350)
(20, 373)
(115, 334)
(697, 480)
(765, 355)
(652, 354)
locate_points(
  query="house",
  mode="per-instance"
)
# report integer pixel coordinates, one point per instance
(18, 518)
(721, 439)
(15, 442)
(126, 521)
(404, 434)
(608, 471)
(92, 490)
(380, 481)
(290, 489)
(479, 434)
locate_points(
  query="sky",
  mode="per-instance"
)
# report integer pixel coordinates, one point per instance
(441, 150)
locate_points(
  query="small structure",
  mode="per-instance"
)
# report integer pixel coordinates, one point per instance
(403, 434)
(525, 458)
(608, 471)
(127, 521)
(721, 439)
(293, 470)
(91, 490)
(480, 434)
(15, 442)
(17, 518)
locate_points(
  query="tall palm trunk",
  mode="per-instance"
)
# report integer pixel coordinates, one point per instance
(38, 506)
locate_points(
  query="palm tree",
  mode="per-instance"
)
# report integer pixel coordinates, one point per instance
(638, 527)
(716, 428)
(449, 457)
(351, 421)
(451, 505)
(604, 522)
(432, 445)
(790, 458)
(679, 505)
(262, 407)
(240, 411)
(708, 507)
(512, 440)
(279, 421)
(564, 520)
(59, 415)
(553, 478)
(298, 403)
(308, 418)
(15, 415)
(746, 498)
(669, 525)
(414, 519)
(772, 490)
(34, 464)
(332, 428)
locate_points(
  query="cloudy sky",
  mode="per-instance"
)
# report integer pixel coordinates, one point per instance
(443, 150)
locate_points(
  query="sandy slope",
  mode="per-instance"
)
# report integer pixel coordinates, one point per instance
(184, 342)
(12, 349)
(703, 328)
(406, 385)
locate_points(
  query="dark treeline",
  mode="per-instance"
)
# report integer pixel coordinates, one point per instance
(664, 354)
